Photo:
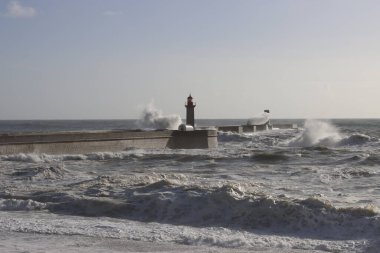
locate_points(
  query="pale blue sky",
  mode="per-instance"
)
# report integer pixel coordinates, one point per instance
(89, 59)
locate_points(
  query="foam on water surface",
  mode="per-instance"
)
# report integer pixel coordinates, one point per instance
(230, 239)
(177, 200)
(315, 188)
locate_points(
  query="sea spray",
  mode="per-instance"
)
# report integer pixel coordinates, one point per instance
(152, 117)
(260, 119)
(317, 133)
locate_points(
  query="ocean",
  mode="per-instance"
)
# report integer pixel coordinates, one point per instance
(312, 189)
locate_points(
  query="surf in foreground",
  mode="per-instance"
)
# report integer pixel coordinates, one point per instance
(315, 188)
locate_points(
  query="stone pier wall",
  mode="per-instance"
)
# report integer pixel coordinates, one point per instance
(105, 141)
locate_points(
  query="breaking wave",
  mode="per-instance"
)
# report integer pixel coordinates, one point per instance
(32, 158)
(233, 137)
(316, 133)
(355, 139)
(153, 118)
(228, 205)
(43, 172)
(322, 133)
(20, 205)
(105, 156)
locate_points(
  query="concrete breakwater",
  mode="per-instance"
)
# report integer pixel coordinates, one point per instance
(105, 141)
(255, 128)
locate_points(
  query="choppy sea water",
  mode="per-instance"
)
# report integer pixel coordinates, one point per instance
(315, 188)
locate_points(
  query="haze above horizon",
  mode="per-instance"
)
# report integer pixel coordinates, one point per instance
(95, 59)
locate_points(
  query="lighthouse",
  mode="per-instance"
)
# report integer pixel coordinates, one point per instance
(190, 111)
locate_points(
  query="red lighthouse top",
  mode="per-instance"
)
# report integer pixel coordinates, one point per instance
(190, 101)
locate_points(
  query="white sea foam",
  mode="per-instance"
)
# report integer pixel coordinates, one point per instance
(317, 133)
(175, 200)
(20, 205)
(259, 119)
(32, 158)
(323, 133)
(153, 118)
(228, 240)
